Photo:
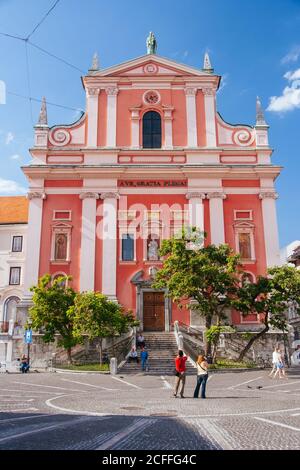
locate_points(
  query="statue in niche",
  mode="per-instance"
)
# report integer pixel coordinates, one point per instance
(153, 250)
(61, 247)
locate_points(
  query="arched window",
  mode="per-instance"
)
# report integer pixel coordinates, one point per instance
(151, 130)
(10, 308)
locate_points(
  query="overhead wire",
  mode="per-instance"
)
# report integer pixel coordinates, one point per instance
(42, 20)
(28, 42)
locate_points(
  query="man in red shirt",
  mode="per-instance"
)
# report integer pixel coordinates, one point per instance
(180, 361)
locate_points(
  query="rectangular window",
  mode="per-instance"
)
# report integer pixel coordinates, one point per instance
(62, 215)
(17, 243)
(245, 245)
(127, 247)
(14, 276)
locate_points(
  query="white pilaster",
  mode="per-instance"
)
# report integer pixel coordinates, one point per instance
(35, 214)
(270, 227)
(210, 120)
(191, 116)
(111, 127)
(196, 209)
(168, 128)
(216, 215)
(88, 241)
(92, 114)
(135, 128)
(109, 257)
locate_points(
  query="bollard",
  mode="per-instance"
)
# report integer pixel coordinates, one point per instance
(113, 366)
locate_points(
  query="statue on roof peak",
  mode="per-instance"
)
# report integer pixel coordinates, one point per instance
(151, 44)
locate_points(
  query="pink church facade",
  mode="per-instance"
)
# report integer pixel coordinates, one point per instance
(149, 155)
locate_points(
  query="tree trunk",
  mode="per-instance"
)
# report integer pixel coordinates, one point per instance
(100, 350)
(69, 352)
(254, 338)
(207, 344)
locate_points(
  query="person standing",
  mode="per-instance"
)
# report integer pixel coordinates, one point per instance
(180, 367)
(279, 365)
(202, 376)
(275, 360)
(144, 358)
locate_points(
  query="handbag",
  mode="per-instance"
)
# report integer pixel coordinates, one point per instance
(176, 373)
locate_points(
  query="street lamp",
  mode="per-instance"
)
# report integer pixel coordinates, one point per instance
(29, 323)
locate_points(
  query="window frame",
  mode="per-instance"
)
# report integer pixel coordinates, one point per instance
(10, 276)
(12, 244)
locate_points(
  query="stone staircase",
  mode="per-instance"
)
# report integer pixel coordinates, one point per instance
(162, 350)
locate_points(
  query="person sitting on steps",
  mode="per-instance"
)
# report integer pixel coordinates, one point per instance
(132, 356)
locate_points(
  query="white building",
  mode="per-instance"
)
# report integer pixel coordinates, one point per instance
(13, 230)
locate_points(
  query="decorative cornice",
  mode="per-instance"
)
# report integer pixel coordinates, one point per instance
(93, 91)
(216, 195)
(190, 91)
(89, 195)
(36, 195)
(109, 195)
(195, 195)
(112, 90)
(268, 195)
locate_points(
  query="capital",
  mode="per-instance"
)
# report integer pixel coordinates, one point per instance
(190, 91)
(216, 195)
(109, 195)
(36, 195)
(208, 91)
(268, 195)
(93, 91)
(89, 195)
(195, 195)
(112, 90)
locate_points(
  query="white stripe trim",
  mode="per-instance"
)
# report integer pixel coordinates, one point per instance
(274, 423)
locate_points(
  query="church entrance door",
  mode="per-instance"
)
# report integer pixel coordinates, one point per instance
(154, 311)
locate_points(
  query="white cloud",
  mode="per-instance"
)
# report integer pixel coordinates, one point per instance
(11, 187)
(9, 138)
(291, 56)
(290, 97)
(16, 156)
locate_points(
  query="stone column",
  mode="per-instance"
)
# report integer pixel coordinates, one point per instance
(111, 125)
(88, 241)
(270, 227)
(196, 209)
(35, 214)
(109, 257)
(210, 116)
(92, 116)
(216, 215)
(191, 116)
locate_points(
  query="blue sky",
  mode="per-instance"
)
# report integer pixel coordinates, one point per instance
(254, 45)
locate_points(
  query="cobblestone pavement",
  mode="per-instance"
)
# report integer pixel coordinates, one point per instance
(243, 410)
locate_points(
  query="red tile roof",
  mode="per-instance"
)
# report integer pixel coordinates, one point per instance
(13, 210)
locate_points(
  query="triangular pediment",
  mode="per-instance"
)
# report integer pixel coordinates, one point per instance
(149, 65)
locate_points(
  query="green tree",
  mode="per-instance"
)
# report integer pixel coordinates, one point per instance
(206, 278)
(95, 316)
(213, 336)
(269, 297)
(51, 302)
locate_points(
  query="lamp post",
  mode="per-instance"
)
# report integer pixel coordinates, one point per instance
(29, 322)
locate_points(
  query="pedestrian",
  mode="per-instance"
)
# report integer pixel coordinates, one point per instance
(202, 376)
(144, 358)
(275, 359)
(279, 365)
(180, 361)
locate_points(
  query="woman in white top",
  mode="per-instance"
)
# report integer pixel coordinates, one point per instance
(276, 357)
(202, 376)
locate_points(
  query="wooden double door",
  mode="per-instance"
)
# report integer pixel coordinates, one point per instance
(154, 311)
